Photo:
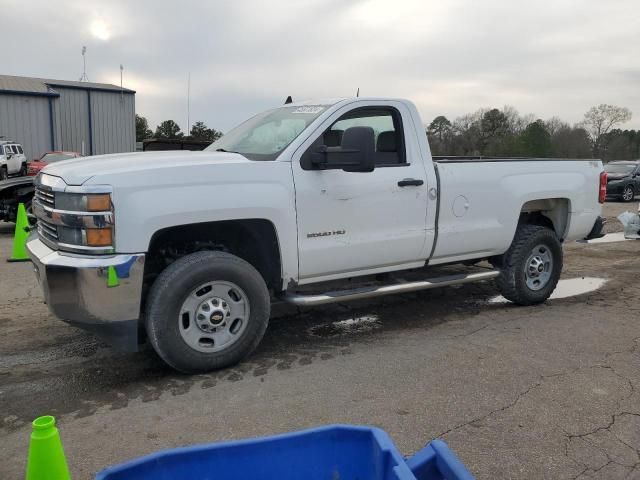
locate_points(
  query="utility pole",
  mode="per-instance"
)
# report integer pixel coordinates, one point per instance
(189, 104)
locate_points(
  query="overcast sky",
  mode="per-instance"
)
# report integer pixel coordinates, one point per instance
(547, 57)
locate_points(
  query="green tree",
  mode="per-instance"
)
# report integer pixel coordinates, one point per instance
(536, 140)
(439, 128)
(168, 129)
(494, 127)
(199, 131)
(440, 133)
(620, 145)
(570, 142)
(142, 128)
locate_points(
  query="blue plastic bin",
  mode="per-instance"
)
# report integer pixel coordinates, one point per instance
(339, 452)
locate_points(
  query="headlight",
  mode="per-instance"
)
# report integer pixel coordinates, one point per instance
(76, 219)
(77, 202)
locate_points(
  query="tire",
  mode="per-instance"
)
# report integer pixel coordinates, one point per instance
(23, 170)
(628, 194)
(3, 173)
(183, 344)
(531, 247)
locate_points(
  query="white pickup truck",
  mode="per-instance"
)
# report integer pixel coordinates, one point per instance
(191, 248)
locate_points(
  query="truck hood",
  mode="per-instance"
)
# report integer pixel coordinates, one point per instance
(77, 171)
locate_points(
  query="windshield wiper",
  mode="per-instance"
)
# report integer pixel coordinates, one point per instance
(226, 151)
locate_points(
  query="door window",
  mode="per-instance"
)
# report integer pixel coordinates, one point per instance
(19, 149)
(385, 130)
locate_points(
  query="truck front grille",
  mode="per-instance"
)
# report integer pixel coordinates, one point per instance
(47, 231)
(46, 198)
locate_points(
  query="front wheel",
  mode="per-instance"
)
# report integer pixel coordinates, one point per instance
(530, 269)
(3, 173)
(206, 311)
(628, 194)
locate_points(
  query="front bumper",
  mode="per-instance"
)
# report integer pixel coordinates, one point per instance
(76, 290)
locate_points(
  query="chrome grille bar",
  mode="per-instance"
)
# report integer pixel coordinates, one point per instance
(51, 230)
(44, 197)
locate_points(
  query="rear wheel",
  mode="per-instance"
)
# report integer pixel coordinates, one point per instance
(23, 170)
(530, 269)
(628, 194)
(207, 310)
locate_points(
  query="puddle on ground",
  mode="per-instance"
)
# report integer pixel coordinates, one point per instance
(570, 287)
(363, 324)
(608, 238)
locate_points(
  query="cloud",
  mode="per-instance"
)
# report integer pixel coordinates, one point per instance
(547, 57)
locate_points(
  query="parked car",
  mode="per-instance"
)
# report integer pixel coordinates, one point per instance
(12, 159)
(623, 179)
(193, 247)
(38, 164)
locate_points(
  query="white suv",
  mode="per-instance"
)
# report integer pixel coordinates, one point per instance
(12, 159)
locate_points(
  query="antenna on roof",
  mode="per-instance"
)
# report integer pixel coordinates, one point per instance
(358, 92)
(121, 89)
(288, 100)
(84, 77)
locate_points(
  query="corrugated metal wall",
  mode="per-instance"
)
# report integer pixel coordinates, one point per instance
(25, 119)
(113, 122)
(111, 129)
(73, 108)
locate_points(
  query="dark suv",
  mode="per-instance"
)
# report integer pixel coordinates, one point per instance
(623, 179)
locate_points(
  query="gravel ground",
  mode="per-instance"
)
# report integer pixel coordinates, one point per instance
(551, 391)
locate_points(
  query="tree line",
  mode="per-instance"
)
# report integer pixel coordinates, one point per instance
(492, 132)
(504, 132)
(170, 129)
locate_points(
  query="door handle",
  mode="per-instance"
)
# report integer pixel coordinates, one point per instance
(410, 182)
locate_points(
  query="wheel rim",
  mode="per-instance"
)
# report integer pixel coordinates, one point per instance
(627, 194)
(539, 267)
(214, 316)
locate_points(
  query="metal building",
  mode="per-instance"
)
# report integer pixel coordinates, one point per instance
(45, 115)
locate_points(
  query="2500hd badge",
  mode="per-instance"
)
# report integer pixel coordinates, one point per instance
(326, 234)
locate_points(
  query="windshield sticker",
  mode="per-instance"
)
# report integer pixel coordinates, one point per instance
(309, 109)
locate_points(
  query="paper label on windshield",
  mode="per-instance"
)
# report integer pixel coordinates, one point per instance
(309, 109)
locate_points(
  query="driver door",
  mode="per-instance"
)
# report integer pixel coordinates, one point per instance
(353, 223)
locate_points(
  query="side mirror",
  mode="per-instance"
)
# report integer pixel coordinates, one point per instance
(9, 155)
(337, 158)
(355, 155)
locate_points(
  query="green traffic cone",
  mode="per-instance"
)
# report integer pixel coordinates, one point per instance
(20, 236)
(112, 277)
(46, 457)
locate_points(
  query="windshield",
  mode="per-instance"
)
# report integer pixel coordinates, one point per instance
(55, 157)
(619, 168)
(266, 135)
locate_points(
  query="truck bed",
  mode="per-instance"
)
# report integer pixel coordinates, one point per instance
(481, 198)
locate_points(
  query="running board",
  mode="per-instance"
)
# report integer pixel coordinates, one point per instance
(370, 292)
